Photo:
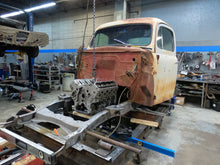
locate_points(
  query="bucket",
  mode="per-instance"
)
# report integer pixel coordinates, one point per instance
(67, 80)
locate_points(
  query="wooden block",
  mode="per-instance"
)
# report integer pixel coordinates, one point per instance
(25, 160)
(144, 122)
(81, 115)
(180, 100)
(4, 143)
(36, 161)
(29, 160)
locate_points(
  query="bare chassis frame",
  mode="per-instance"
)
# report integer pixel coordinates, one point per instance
(75, 129)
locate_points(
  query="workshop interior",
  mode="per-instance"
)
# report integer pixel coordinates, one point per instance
(109, 82)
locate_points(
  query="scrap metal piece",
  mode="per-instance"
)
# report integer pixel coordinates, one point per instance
(105, 145)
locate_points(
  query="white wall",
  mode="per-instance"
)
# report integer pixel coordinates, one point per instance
(195, 22)
(64, 33)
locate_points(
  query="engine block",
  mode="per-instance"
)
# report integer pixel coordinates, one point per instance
(90, 96)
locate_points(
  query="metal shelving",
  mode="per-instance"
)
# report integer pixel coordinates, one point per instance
(46, 73)
(204, 89)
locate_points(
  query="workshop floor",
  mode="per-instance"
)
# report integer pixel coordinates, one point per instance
(194, 133)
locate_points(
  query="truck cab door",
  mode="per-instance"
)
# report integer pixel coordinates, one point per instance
(166, 71)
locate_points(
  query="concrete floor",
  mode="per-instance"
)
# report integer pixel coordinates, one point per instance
(194, 133)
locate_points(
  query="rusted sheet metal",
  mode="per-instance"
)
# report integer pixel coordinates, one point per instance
(119, 64)
(149, 74)
(17, 37)
(165, 78)
(135, 68)
(131, 67)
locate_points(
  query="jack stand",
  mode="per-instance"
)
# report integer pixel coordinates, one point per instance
(20, 100)
(31, 96)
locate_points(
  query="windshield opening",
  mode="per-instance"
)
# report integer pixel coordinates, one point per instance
(132, 34)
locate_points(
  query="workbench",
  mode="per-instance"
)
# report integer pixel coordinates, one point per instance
(201, 92)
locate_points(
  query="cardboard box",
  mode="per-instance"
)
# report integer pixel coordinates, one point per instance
(180, 76)
(179, 100)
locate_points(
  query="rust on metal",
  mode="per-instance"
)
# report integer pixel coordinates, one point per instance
(118, 64)
(136, 150)
(18, 37)
(105, 145)
(149, 75)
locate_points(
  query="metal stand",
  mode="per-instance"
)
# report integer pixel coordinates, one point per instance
(30, 27)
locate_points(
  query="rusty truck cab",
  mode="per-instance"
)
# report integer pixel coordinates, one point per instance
(138, 54)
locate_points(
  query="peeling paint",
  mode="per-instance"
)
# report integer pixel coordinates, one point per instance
(151, 77)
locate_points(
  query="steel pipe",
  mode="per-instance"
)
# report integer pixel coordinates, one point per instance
(106, 139)
(105, 145)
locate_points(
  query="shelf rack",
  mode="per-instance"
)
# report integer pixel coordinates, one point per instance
(47, 73)
(203, 90)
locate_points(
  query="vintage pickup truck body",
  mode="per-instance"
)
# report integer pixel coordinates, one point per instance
(139, 54)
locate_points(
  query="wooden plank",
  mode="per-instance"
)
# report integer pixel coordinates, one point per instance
(144, 122)
(23, 161)
(81, 115)
(29, 160)
(4, 143)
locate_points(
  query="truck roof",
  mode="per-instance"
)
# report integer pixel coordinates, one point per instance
(147, 20)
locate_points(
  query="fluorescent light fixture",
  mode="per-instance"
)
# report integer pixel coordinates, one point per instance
(11, 14)
(40, 7)
(28, 10)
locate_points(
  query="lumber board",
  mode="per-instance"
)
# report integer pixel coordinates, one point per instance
(81, 115)
(144, 122)
(29, 160)
(4, 143)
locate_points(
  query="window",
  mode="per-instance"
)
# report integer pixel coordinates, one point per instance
(165, 39)
(101, 39)
(133, 34)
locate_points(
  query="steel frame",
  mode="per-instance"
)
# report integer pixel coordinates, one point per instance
(76, 131)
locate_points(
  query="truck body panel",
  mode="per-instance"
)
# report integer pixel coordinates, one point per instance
(149, 72)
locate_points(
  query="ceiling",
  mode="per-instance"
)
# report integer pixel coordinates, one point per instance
(61, 6)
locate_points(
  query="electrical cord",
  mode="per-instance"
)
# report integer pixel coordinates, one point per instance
(119, 99)
(119, 122)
